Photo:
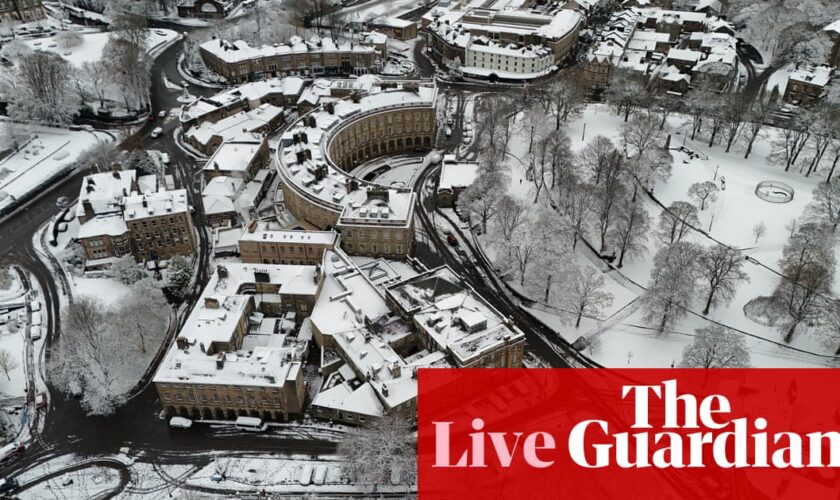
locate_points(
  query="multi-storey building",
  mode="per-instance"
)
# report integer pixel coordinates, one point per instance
(21, 10)
(122, 214)
(807, 84)
(207, 136)
(241, 350)
(160, 225)
(239, 62)
(239, 158)
(507, 45)
(260, 244)
(317, 152)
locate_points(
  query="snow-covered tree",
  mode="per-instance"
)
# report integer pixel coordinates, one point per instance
(626, 92)
(15, 133)
(577, 211)
(790, 142)
(673, 284)
(131, 28)
(825, 205)
(129, 69)
(127, 271)
(631, 231)
(587, 297)
(598, 157)
(716, 347)
(480, 199)
(179, 275)
(561, 98)
(145, 315)
(675, 222)
(755, 119)
(93, 77)
(67, 39)
(703, 192)
(640, 134)
(373, 454)
(40, 88)
(807, 267)
(720, 270)
(611, 194)
(511, 213)
(828, 327)
(759, 230)
(7, 363)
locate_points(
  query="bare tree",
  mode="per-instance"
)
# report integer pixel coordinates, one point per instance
(480, 199)
(376, 452)
(7, 363)
(129, 69)
(561, 98)
(68, 39)
(716, 346)
(524, 246)
(733, 113)
(721, 270)
(578, 210)
(597, 157)
(16, 134)
(631, 231)
(703, 192)
(587, 297)
(675, 222)
(511, 213)
(132, 28)
(626, 93)
(755, 118)
(94, 76)
(40, 88)
(791, 142)
(639, 134)
(828, 326)
(759, 230)
(610, 195)
(807, 267)
(673, 282)
(825, 206)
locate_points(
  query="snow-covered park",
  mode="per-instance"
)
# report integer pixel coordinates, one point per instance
(92, 44)
(616, 328)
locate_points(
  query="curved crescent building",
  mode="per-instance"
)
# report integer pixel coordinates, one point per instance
(318, 152)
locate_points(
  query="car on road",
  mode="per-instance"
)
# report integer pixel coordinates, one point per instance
(11, 450)
(37, 320)
(62, 202)
(35, 333)
(35, 306)
(461, 252)
(7, 485)
(157, 132)
(451, 239)
(180, 423)
(152, 117)
(41, 400)
(164, 158)
(162, 114)
(251, 424)
(159, 32)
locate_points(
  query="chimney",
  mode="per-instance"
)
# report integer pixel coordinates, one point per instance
(182, 343)
(211, 303)
(220, 360)
(385, 390)
(88, 208)
(252, 226)
(396, 370)
(145, 203)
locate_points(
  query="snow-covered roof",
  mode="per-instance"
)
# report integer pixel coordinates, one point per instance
(611, 42)
(235, 155)
(236, 126)
(254, 92)
(457, 175)
(223, 186)
(391, 22)
(684, 55)
(263, 232)
(105, 191)
(714, 5)
(300, 160)
(240, 51)
(813, 75)
(835, 27)
(343, 397)
(103, 225)
(141, 206)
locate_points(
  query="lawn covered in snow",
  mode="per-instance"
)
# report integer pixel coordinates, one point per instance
(620, 336)
(92, 45)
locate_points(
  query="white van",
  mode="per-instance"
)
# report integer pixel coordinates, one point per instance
(252, 424)
(157, 132)
(35, 333)
(36, 319)
(180, 423)
(320, 474)
(305, 475)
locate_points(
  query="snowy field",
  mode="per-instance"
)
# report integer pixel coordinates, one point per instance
(92, 44)
(621, 337)
(50, 152)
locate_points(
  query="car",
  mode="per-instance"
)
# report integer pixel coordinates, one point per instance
(62, 202)
(7, 485)
(35, 306)
(447, 231)
(162, 114)
(35, 332)
(41, 400)
(37, 319)
(180, 423)
(250, 424)
(152, 117)
(11, 450)
(452, 240)
(159, 32)
(460, 251)
(157, 132)
(164, 158)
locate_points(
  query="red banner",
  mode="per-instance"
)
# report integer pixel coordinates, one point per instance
(628, 434)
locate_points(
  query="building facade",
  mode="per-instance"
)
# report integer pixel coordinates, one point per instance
(160, 225)
(207, 9)
(260, 244)
(21, 10)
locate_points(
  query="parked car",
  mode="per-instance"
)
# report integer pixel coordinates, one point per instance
(452, 240)
(152, 117)
(252, 424)
(7, 485)
(164, 158)
(41, 400)
(62, 202)
(35, 332)
(157, 132)
(180, 423)
(162, 114)
(11, 450)
(35, 306)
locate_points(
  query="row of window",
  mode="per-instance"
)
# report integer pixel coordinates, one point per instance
(227, 399)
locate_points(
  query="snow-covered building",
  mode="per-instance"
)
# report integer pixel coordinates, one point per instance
(207, 9)
(109, 208)
(238, 62)
(242, 158)
(207, 136)
(807, 84)
(394, 27)
(833, 33)
(316, 154)
(455, 177)
(262, 243)
(506, 45)
(324, 90)
(279, 92)
(242, 348)
(21, 10)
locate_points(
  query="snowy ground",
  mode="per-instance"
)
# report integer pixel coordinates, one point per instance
(51, 151)
(629, 341)
(92, 44)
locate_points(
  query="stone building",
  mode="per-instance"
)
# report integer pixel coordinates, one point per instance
(238, 62)
(21, 10)
(807, 84)
(260, 244)
(207, 9)
(160, 225)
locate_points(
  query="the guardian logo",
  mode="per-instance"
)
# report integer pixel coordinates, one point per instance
(692, 434)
